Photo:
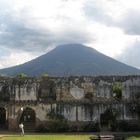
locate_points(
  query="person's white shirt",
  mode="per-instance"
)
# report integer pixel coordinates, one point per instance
(21, 125)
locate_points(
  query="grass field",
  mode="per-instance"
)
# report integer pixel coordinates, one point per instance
(134, 138)
(47, 137)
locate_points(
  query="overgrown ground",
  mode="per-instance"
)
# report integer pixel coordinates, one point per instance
(47, 137)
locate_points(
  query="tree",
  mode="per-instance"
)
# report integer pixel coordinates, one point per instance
(109, 117)
(117, 90)
(136, 109)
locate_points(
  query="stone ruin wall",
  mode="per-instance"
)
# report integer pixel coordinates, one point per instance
(77, 98)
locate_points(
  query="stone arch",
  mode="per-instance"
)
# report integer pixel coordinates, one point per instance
(2, 117)
(28, 118)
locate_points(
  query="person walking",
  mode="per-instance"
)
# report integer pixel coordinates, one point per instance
(21, 126)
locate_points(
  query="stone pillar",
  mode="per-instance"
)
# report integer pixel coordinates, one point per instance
(76, 112)
(124, 112)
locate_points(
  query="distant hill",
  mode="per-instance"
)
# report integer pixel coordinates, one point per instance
(72, 59)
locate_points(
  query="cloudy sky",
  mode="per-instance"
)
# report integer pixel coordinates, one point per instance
(29, 28)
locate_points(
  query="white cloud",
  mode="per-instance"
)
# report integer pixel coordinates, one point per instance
(110, 41)
(15, 58)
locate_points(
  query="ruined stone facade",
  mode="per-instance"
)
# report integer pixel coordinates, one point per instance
(76, 98)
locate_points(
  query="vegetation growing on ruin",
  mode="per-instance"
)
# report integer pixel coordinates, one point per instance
(22, 75)
(117, 90)
(56, 123)
(136, 110)
(44, 75)
(109, 117)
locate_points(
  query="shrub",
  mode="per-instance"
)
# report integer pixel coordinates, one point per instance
(40, 128)
(117, 90)
(73, 128)
(22, 75)
(91, 127)
(63, 126)
(128, 126)
(84, 127)
(53, 126)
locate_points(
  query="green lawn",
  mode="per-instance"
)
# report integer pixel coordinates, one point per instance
(48, 137)
(133, 138)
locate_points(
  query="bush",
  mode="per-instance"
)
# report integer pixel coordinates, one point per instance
(63, 126)
(40, 128)
(117, 90)
(128, 126)
(84, 127)
(73, 128)
(114, 126)
(91, 127)
(53, 126)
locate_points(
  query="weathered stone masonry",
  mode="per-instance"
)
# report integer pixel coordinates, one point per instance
(77, 98)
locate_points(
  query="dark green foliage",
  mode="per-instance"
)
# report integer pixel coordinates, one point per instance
(110, 114)
(58, 126)
(109, 117)
(57, 123)
(91, 127)
(128, 126)
(73, 127)
(137, 109)
(53, 126)
(63, 126)
(117, 90)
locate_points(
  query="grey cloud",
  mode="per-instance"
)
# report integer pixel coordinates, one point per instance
(95, 12)
(130, 23)
(131, 55)
(15, 34)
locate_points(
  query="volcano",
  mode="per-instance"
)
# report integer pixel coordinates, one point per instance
(72, 60)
